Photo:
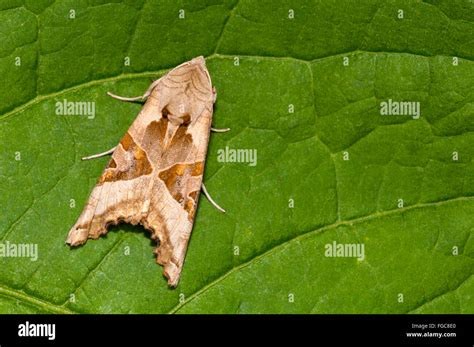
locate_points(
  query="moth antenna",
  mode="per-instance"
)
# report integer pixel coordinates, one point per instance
(213, 203)
(136, 98)
(123, 98)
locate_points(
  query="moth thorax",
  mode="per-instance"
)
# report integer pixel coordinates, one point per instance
(176, 114)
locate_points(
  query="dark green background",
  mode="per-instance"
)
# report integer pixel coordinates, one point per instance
(300, 156)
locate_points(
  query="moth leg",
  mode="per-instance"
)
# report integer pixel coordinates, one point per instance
(222, 130)
(214, 97)
(213, 203)
(136, 98)
(110, 151)
(216, 130)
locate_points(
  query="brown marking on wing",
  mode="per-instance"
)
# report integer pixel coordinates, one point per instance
(198, 169)
(186, 117)
(178, 197)
(191, 204)
(153, 138)
(175, 152)
(193, 195)
(180, 184)
(112, 164)
(182, 138)
(139, 165)
(189, 207)
(165, 112)
(127, 141)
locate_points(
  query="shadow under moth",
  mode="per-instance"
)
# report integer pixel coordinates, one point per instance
(154, 177)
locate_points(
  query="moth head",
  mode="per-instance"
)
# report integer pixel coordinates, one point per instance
(199, 60)
(191, 92)
(202, 64)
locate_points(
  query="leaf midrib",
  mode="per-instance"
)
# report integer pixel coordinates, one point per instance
(124, 76)
(33, 300)
(310, 233)
(41, 303)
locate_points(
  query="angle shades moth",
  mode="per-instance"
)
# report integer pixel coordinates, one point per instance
(154, 177)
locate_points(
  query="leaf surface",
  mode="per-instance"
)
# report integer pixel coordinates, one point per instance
(262, 256)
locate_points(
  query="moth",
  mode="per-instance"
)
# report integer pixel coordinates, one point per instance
(154, 177)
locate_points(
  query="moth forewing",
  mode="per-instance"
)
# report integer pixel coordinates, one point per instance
(155, 174)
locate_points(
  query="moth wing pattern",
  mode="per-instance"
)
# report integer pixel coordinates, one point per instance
(154, 176)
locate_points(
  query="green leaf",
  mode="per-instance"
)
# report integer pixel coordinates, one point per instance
(262, 255)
